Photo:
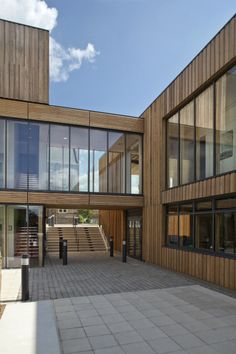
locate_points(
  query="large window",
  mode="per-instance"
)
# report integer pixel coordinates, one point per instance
(116, 164)
(59, 157)
(133, 164)
(204, 134)
(98, 160)
(56, 157)
(226, 122)
(208, 225)
(17, 154)
(187, 144)
(2, 153)
(202, 143)
(172, 150)
(79, 160)
(38, 155)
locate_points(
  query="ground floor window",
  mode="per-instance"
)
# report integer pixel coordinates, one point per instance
(208, 225)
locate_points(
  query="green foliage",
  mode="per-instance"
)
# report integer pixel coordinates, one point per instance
(85, 216)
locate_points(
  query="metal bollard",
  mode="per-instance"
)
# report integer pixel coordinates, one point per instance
(25, 277)
(64, 252)
(111, 247)
(60, 246)
(124, 252)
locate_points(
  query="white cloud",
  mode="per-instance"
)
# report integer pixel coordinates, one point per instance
(37, 13)
(64, 61)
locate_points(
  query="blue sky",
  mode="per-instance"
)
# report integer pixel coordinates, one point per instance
(143, 45)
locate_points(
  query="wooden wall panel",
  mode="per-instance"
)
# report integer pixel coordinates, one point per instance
(113, 222)
(115, 201)
(24, 62)
(218, 55)
(10, 108)
(113, 121)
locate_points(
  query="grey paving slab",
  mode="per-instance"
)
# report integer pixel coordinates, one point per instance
(100, 342)
(75, 345)
(128, 337)
(138, 348)
(164, 345)
(96, 330)
(188, 341)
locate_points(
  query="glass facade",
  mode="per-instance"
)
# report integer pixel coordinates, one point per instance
(98, 160)
(187, 144)
(133, 164)
(116, 164)
(79, 151)
(42, 157)
(208, 225)
(201, 143)
(172, 150)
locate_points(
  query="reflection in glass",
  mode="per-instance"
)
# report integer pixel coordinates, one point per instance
(2, 153)
(226, 122)
(38, 156)
(59, 158)
(204, 134)
(133, 164)
(116, 171)
(187, 143)
(172, 226)
(2, 233)
(17, 154)
(203, 231)
(225, 232)
(98, 161)
(79, 160)
(186, 226)
(172, 151)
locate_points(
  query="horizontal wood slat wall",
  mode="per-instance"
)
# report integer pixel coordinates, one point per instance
(64, 115)
(113, 223)
(211, 62)
(211, 187)
(24, 62)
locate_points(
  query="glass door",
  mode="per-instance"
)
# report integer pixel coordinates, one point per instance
(2, 234)
(134, 233)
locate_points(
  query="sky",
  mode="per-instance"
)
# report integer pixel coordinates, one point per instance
(119, 55)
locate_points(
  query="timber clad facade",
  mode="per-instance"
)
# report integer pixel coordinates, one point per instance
(165, 181)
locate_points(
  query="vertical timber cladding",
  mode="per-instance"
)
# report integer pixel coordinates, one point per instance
(113, 223)
(212, 61)
(24, 62)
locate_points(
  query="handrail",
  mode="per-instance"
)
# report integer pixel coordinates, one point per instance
(76, 236)
(104, 237)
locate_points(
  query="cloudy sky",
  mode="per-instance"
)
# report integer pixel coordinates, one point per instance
(118, 55)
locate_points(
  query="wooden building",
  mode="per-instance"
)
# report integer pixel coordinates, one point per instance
(165, 181)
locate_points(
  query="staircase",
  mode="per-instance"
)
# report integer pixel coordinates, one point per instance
(79, 239)
(21, 244)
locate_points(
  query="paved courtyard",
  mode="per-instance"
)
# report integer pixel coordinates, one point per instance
(186, 319)
(97, 273)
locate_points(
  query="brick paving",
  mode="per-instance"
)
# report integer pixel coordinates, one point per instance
(97, 273)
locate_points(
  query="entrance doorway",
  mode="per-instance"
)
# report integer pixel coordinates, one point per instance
(134, 233)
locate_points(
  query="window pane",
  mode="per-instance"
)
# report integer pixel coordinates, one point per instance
(59, 158)
(203, 231)
(225, 122)
(116, 162)
(2, 153)
(187, 144)
(79, 160)
(204, 134)
(186, 226)
(133, 163)
(225, 232)
(98, 160)
(17, 158)
(172, 151)
(38, 156)
(172, 226)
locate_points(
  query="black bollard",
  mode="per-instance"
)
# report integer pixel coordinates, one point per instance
(111, 247)
(25, 277)
(60, 246)
(64, 252)
(124, 252)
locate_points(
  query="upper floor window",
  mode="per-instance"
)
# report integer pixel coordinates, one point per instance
(201, 138)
